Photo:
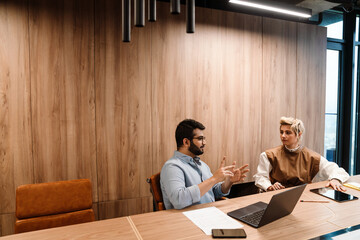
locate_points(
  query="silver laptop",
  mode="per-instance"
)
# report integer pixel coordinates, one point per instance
(260, 213)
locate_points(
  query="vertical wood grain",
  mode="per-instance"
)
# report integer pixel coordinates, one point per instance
(95, 207)
(168, 77)
(311, 84)
(63, 107)
(123, 94)
(242, 81)
(126, 207)
(279, 78)
(7, 223)
(224, 82)
(16, 165)
(204, 78)
(90, 106)
(212, 85)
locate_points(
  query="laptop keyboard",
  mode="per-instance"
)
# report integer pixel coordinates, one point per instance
(254, 218)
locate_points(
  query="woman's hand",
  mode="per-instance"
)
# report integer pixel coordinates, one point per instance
(275, 186)
(336, 185)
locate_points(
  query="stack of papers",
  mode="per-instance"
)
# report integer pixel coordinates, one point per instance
(211, 218)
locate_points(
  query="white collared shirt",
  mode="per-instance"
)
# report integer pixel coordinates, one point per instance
(327, 171)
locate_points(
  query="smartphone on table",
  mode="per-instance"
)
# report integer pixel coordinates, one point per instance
(229, 233)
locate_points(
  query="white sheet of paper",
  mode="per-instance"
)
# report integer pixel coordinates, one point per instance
(211, 218)
(349, 235)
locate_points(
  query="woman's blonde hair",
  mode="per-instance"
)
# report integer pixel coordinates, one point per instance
(296, 125)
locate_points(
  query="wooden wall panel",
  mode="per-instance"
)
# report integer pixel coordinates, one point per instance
(224, 81)
(76, 102)
(118, 208)
(204, 78)
(279, 78)
(209, 81)
(7, 224)
(123, 100)
(240, 89)
(168, 77)
(311, 84)
(15, 122)
(95, 207)
(62, 90)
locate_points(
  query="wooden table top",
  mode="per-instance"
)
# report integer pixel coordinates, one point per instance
(308, 220)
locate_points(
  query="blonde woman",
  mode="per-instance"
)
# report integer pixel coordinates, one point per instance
(293, 164)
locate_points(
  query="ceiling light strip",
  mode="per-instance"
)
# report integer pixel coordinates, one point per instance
(270, 8)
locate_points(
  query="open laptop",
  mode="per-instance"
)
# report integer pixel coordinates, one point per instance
(260, 213)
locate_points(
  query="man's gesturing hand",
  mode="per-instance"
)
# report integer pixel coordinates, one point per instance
(239, 173)
(223, 172)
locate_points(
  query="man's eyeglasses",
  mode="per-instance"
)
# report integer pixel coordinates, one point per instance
(201, 138)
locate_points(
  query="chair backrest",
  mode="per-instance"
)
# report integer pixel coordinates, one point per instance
(55, 204)
(155, 189)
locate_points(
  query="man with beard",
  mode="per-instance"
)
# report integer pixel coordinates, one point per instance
(186, 180)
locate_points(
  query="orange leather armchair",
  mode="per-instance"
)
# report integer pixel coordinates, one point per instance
(155, 189)
(55, 204)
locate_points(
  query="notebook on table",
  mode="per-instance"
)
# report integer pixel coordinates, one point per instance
(260, 213)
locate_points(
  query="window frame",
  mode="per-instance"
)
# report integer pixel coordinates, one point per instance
(344, 143)
(345, 128)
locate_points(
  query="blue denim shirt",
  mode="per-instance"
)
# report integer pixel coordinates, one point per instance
(179, 181)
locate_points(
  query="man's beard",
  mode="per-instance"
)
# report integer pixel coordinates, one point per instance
(194, 149)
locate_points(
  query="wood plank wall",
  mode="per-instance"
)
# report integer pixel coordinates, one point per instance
(16, 160)
(76, 102)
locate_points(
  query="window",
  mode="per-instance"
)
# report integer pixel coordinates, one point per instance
(354, 169)
(331, 106)
(357, 29)
(352, 156)
(333, 21)
(342, 120)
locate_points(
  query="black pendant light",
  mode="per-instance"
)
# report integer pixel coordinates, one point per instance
(152, 10)
(126, 20)
(139, 13)
(190, 16)
(175, 6)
